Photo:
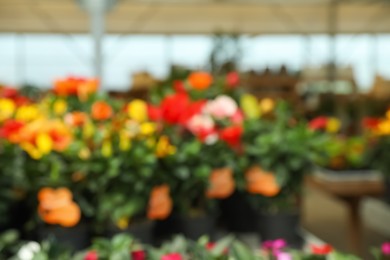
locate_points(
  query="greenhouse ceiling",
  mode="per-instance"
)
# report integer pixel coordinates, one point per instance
(201, 16)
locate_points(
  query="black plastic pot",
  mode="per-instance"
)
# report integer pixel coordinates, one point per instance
(195, 227)
(165, 229)
(140, 230)
(76, 238)
(283, 225)
(237, 214)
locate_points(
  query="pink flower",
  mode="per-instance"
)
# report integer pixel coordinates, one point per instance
(237, 118)
(91, 255)
(172, 256)
(386, 248)
(274, 244)
(221, 107)
(283, 256)
(138, 255)
(200, 123)
(232, 79)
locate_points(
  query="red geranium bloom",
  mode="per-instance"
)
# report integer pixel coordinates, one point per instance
(138, 255)
(232, 79)
(370, 123)
(154, 113)
(8, 92)
(10, 127)
(172, 256)
(231, 135)
(321, 250)
(173, 107)
(191, 110)
(318, 123)
(91, 255)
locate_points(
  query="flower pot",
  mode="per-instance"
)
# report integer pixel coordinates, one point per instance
(165, 229)
(237, 214)
(195, 227)
(76, 238)
(140, 230)
(283, 225)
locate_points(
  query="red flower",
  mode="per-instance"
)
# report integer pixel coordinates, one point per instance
(10, 128)
(231, 135)
(138, 255)
(154, 113)
(370, 123)
(91, 255)
(232, 79)
(191, 110)
(179, 87)
(172, 256)
(210, 246)
(8, 92)
(318, 123)
(321, 250)
(173, 107)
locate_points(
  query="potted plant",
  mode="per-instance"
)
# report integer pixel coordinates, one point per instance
(279, 153)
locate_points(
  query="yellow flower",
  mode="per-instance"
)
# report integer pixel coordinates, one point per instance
(384, 127)
(124, 141)
(164, 148)
(333, 125)
(60, 107)
(44, 143)
(84, 153)
(27, 113)
(147, 128)
(31, 150)
(88, 130)
(7, 108)
(266, 105)
(138, 110)
(122, 223)
(250, 107)
(107, 149)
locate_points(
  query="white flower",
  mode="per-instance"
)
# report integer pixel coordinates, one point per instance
(28, 251)
(221, 107)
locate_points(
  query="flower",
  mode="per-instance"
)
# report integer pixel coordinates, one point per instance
(138, 255)
(386, 248)
(7, 108)
(76, 86)
(173, 107)
(232, 79)
(138, 110)
(179, 87)
(370, 123)
(261, 182)
(160, 203)
(211, 245)
(154, 113)
(266, 105)
(101, 111)
(107, 149)
(27, 251)
(76, 118)
(164, 148)
(27, 113)
(200, 123)
(221, 107)
(221, 183)
(231, 135)
(283, 256)
(318, 123)
(273, 245)
(60, 107)
(11, 130)
(91, 255)
(56, 207)
(200, 80)
(172, 256)
(333, 125)
(321, 250)
(250, 106)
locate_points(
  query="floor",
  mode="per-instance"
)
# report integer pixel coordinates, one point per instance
(326, 218)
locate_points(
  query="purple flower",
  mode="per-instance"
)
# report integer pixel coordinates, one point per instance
(386, 248)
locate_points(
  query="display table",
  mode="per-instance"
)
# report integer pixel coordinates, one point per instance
(351, 193)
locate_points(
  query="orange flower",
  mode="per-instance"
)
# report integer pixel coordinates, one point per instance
(85, 89)
(261, 182)
(222, 184)
(76, 118)
(200, 80)
(56, 207)
(160, 203)
(101, 110)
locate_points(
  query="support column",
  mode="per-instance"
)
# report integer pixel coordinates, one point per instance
(332, 27)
